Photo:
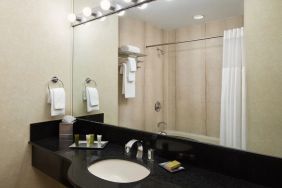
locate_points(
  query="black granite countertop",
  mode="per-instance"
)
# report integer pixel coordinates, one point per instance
(78, 175)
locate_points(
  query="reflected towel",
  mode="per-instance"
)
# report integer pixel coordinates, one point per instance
(131, 69)
(128, 88)
(92, 98)
(130, 48)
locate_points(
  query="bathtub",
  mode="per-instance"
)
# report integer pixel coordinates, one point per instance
(197, 137)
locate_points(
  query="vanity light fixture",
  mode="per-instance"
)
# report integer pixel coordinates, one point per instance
(72, 18)
(198, 17)
(110, 8)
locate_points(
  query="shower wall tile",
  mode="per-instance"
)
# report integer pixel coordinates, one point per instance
(131, 111)
(169, 80)
(153, 78)
(198, 77)
(190, 87)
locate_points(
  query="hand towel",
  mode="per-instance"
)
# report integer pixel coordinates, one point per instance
(58, 101)
(92, 99)
(128, 88)
(131, 69)
(132, 64)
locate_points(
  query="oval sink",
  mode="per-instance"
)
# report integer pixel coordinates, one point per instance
(119, 171)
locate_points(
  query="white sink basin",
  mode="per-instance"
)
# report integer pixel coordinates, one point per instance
(119, 171)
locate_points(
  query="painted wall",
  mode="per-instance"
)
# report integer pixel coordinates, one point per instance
(96, 56)
(35, 44)
(263, 28)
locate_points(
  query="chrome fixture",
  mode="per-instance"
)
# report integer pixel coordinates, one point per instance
(55, 80)
(130, 144)
(158, 106)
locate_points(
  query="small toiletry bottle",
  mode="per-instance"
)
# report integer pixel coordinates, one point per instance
(99, 140)
(151, 153)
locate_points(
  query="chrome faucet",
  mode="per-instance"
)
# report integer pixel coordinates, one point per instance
(129, 145)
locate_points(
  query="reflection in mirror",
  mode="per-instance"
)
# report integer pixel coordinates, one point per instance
(181, 73)
(178, 68)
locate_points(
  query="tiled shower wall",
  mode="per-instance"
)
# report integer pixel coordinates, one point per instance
(186, 79)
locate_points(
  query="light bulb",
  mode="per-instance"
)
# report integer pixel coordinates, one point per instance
(118, 7)
(122, 13)
(103, 19)
(99, 14)
(72, 17)
(198, 17)
(105, 4)
(144, 6)
(87, 11)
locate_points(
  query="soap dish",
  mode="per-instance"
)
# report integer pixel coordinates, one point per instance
(163, 165)
(83, 145)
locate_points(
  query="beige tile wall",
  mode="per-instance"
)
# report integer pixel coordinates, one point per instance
(131, 111)
(35, 44)
(153, 78)
(198, 77)
(139, 113)
(186, 79)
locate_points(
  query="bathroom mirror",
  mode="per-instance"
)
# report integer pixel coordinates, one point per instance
(185, 85)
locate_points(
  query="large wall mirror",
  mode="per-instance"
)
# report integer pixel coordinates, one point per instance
(193, 69)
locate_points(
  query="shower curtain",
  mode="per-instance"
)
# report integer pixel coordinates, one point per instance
(233, 95)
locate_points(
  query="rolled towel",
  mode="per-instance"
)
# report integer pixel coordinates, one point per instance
(130, 48)
(132, 64)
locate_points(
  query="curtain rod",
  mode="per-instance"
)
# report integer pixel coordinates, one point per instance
(171, 43)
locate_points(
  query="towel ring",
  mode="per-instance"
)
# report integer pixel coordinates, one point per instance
(55, 80)
(88, 82)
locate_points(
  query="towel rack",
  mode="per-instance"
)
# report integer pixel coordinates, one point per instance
(55, 80)
(88, 81)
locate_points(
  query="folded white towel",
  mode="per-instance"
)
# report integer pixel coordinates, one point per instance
(130, 48)
(92, 98)
(128, 88)
(131, 69)
(57, 98)
(132, 64)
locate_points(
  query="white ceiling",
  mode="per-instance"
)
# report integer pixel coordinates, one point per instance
(179, 13)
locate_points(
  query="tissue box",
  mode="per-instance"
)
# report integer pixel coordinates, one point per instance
(66, 131)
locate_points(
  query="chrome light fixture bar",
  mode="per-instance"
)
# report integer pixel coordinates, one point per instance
(136, 4)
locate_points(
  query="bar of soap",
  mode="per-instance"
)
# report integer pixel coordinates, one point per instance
(173, 165)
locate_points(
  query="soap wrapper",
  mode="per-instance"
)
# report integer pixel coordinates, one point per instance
(163, 165)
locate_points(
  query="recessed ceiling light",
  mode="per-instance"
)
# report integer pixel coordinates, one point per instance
(198, 17)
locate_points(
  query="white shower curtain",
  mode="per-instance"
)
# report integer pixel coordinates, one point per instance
(233, 95)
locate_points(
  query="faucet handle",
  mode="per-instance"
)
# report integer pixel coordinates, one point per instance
(129, 145)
